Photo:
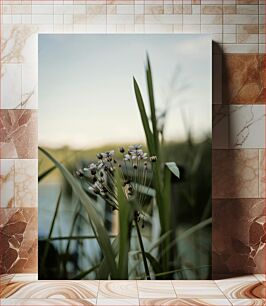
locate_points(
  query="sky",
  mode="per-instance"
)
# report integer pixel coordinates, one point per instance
(86, 95)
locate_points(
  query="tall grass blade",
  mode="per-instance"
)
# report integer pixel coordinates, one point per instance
(47, 244)
(45, 173)
(124, 231)
(144, 119)
(101, 233)
(103, 271)
(152, 106)
(145, 263)
(154, 263)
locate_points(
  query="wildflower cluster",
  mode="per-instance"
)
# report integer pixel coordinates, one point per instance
(134, 168)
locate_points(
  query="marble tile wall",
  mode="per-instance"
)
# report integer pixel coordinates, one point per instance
(238, 32)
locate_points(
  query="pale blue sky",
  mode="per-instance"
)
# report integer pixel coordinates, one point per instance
(86, 95)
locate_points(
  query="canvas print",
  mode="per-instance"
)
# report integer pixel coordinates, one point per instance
(124, 156)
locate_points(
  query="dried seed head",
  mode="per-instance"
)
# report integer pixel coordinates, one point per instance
(135, 166)
(79, 173)
(96, 190)
(153, 158)
(119, 165)
(93, 171)
(145, 163)
(99, 156)
(122, 150)
(115, 161)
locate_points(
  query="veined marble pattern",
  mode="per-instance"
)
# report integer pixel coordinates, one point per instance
(238, 126)
(235, 291)
(117, 302)
(238, 249)
(235, 173)
(243, 79)
(247, 126)
(51, 290)
(10, 85)
(26, 182)
(262, 171)
(19, 58)
(18, 130)
(19, 44)
(19, 240)
(47, 302)
(248, 287)
(261, 278)
(7, 183)
(248, 302)
(156, 289)
(197, 289)
(118, 289)
(184, 302)
(18, 182)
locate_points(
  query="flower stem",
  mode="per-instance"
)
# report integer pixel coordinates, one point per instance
(142, 251)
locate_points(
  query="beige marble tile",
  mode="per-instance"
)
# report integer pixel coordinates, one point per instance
(235, 173)
(117, 289)
(242, 287)
(240, 19)
(18, 130)
(26, 182)
(7, 183)
(48, 302)
(10, 85)
(248, 29)
(184, 302)
(229, 38)
(247, 9)
(156, 289)
(247, 126)
(260, 277)
(211, 19)
(248, 302)
(240, 48)
(29, 83)
(153, 9)
(5, 279)
(262, 170)
(247, 38)
(51, 290)
(19, 44)
(122, 302)
(24, 277)
(197, 289)
(211, 9)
